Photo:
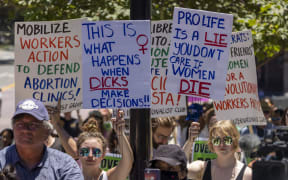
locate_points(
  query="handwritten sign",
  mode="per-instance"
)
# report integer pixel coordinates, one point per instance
(241, 103)
(200, 150)
(199, 53)
(163, 103)
(48, 62)
(116, 59)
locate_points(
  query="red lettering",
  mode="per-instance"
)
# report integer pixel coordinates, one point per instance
(25, 43)
(152, 83)
(51, 42)
(231, 77)
(77, 40)
(163, 98)
(162, 83)
(94, 83)
(60, 42)
(195, 87)
(202, 87)
(169, 99)
(108, 83)
(67, 41)
(114, 81)
(218, 40)
(155, 97)
(43, 41)
(124, 79)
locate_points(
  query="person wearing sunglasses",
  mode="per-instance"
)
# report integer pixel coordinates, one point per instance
(223, 140)
(92, 146)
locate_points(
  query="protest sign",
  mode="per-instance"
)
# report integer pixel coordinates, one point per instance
(199, 53)
(48, 62)
(116, 60)
(241, 103)
(110, 160)
(163, 103)
(200, 150)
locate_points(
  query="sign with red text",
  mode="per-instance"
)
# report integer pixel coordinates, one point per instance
(48, 62)
(163, 103)
(241, 103)
(199, 53)
(116, 59)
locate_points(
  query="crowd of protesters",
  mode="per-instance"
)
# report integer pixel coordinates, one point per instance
(42, 144)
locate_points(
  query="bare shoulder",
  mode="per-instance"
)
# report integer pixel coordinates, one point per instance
(195, 169)
(247, 173)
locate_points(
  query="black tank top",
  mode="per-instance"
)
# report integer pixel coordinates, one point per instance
(207, 173)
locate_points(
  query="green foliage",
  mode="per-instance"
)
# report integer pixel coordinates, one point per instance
(267, 19)
(40, 10)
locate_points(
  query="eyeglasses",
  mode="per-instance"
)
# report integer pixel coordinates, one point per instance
(84, 152)
(227, 140)
(30, 126)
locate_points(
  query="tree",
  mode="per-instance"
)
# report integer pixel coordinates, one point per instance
(265, 18)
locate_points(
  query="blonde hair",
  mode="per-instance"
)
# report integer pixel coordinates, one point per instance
(91, 131)
(168, 122)
(205, 118)
(91, 135)
(227, 128)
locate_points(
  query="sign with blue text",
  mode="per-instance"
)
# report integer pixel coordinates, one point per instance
(48, 62)
(116, 59)
(163, 103)
(241, 103)
(199, 53)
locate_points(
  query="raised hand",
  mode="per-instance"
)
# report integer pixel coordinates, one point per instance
(119, 122)
(54, 113)
(194, 130)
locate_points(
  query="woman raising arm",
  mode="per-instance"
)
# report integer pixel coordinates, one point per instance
(223, 140)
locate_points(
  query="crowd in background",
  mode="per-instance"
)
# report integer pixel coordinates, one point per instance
(88, 139)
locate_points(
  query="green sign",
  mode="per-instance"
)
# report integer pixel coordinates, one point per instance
(201, 151)
(110, 161)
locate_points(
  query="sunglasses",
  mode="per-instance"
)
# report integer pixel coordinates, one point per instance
(84, 152)
(227, 140)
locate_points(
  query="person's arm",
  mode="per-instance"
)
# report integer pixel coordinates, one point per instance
(80, 120)
(122, 170)
(193, 133)
(67, 141)
(196, 169)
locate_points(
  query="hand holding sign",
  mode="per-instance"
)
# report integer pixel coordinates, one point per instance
(194, 131)
(54, 113)
(119, 123)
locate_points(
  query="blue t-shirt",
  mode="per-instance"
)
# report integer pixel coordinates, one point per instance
(54, 165)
